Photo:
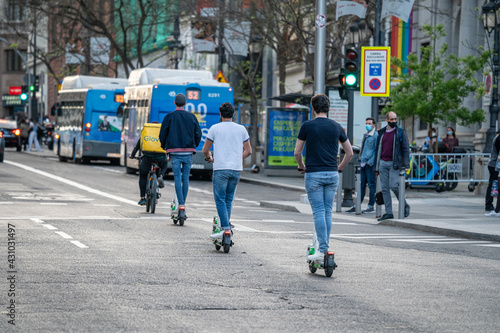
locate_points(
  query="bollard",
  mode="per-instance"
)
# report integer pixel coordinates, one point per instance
(357, 187)
(401, 209)
(339, 194)
(378, 208)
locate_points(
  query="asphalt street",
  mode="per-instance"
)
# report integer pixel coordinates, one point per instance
(88, 259)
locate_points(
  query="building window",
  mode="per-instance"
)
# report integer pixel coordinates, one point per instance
(14, 61)
(16, 10)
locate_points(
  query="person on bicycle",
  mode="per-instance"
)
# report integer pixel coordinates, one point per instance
(180, 134)
(231, 145)
(321, 136)
(145, 166)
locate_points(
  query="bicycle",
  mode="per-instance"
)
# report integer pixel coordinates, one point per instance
(152, 189)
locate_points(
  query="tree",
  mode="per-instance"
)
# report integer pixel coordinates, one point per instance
(433, 89)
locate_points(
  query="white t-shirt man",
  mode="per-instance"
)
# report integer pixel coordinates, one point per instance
(228, 138)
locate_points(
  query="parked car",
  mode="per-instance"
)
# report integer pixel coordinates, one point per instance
(11, 133)
(2, 146)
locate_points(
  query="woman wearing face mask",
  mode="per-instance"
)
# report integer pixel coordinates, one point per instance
(450, 140)
(430, 140)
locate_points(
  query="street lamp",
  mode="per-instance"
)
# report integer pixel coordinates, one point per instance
(491, 19)
(177, 52)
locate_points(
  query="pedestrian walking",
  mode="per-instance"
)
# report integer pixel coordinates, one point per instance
(366, 159)
(33, 136)
(392, 155)
(25, 131)
(231, 144)
(321, 137)
(450, 139)
(180, 134)
(494, 173)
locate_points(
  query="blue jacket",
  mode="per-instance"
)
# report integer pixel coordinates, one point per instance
(369, 147)
(180, 132)
(401, 149)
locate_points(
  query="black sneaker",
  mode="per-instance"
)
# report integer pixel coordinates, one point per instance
(489, 208)
(142, 202)
(407, 210)
(161, 183)
(386, 217)
(352, 210)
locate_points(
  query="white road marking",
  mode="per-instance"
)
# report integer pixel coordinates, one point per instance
(262, 211)
(80, 245)
(49, 226)
(72, 183)
(106, 205)
(36, 220)
(6, 203)
(108, 169)
(54, 203)
(490, 245)
(63, 234)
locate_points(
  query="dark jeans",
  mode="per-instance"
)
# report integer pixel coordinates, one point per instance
(368, 177)
(489, 198)
(144, 168)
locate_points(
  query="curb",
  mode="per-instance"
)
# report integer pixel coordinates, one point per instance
(272, 184)
(443, 231)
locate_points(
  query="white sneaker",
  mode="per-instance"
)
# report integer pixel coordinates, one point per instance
(492, 214)
(217, 235)
(318, 256)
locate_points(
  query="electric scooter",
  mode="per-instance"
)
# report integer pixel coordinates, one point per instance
(328, 263)
(226, 241)
(177, 214)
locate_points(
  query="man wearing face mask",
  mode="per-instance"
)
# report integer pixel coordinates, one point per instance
(367, 157)
(392, 154)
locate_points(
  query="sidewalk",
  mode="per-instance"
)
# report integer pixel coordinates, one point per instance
(458, 213)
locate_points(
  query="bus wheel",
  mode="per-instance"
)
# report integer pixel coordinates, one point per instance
(130, 171)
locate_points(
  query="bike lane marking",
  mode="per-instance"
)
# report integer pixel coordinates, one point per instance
(72, 183)
(60, 233)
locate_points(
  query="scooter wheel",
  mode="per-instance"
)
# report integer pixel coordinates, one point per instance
(312, 269)
(227, 247)
(471, 188)
(181, 221)
(175, 221)
(217, 247)
(329, 271)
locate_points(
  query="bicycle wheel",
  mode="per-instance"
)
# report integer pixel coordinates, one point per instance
(154, 193)
(148, 193)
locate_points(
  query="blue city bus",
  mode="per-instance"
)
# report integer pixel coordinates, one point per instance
(150, 96)
(87, 126)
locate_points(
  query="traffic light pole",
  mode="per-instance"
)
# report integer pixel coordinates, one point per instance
(33, 104)
(348, 173)
(319, 62)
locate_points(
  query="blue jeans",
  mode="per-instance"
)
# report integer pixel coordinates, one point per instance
(224, 184)
(320, 188)
(181, 166)
(368, 176)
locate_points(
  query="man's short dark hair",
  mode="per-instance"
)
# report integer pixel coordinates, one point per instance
(370, 118)
(226, 110)
(320, 103)
(180, 99)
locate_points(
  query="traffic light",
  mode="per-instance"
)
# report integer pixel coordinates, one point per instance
(351, 68)
(342, 88)
(24, 93)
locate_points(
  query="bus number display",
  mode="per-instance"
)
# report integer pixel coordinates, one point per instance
(193, 94)
(119, 98)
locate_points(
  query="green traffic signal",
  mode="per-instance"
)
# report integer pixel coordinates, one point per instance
(32, 88)
(350, 80)
(24, 96)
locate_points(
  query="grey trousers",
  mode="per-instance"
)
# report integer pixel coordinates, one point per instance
(389, 180)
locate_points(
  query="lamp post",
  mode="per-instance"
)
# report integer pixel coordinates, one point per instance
(177, 53)
(491, 19)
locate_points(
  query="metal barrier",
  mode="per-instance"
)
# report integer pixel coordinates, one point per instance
(446, 168)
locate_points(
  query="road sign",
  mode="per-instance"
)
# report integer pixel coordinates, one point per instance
(220, 77)
(375, 71)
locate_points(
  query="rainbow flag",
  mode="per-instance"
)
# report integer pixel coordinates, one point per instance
(401, 38)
